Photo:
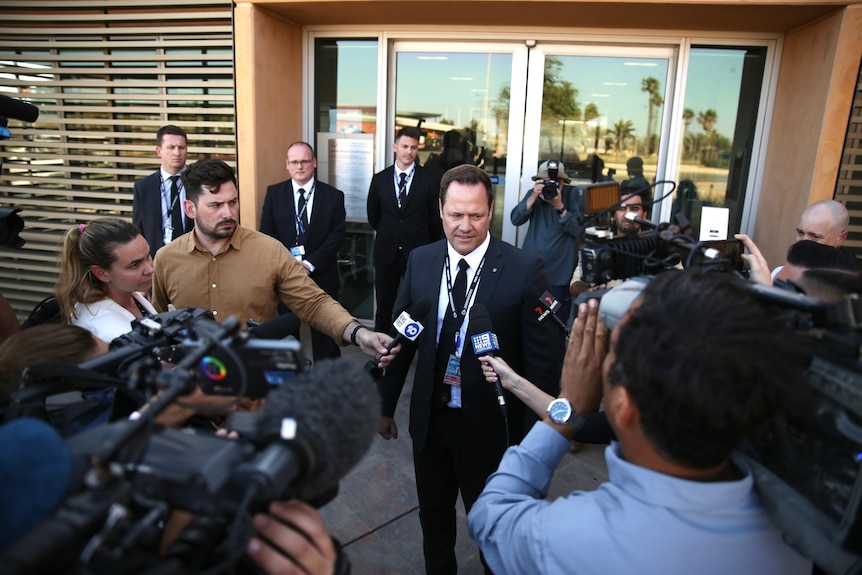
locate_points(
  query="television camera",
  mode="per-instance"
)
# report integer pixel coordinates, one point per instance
(135, 473)
(606, 254)
(806, 459)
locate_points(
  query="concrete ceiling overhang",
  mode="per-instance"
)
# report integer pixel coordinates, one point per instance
(738, 16)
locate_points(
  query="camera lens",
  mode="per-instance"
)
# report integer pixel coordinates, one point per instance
(549, 192)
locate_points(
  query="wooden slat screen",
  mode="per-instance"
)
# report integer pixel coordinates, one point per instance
(848, 188)
(105, 75)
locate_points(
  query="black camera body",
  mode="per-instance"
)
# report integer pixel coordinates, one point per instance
(551, 188)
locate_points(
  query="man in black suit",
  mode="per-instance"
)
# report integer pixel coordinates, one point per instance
(157, 203)
(307, 216)
(458, 429)
(402, 208)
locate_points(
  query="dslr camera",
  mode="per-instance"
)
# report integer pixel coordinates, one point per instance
(550, 190)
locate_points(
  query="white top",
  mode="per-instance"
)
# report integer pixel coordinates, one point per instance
(107, 319)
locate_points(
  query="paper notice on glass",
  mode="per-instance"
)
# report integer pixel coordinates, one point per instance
(713, 223)
(347, 162)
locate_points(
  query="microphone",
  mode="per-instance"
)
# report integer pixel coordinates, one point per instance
(642, 221)
(407, 328)
(484, 341)
(547, 305)
(17, 110)
(327, 417)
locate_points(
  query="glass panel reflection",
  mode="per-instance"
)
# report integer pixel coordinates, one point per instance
(345, 100)
(601, 116)
(722, 97)
(460, 101)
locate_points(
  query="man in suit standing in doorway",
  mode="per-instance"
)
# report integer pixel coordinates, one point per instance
(457, 425)
(157, 203)
(307, 216)
(402, 209)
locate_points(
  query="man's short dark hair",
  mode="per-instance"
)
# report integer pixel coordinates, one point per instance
(410, 132)
(206, 174)
(172, 130)
(467, 175)
(808, 254)
(705, 364)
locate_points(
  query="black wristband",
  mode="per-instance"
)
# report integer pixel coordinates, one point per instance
(354, 332)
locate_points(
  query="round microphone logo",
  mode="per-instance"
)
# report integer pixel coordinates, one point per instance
(411, 330)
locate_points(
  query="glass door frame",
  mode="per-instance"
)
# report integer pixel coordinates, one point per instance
(667, 147)
(524, 140)
(760, 140)
(517, 107)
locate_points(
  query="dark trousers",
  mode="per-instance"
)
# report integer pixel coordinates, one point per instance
(322, 345)
(386, 281)
(443, 468)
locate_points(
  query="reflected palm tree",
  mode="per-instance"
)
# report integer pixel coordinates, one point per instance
(651, 86)
(621, 131)
(707, 121)
(591, 112)
(687, 118)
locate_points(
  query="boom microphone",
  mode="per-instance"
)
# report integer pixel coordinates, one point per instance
(328, 415)
(17, 110)
(307, 436)
(547, 305)
(484, 341)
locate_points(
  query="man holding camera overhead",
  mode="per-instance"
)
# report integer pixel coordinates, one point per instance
(552, 210)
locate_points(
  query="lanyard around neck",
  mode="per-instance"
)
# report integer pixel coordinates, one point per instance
(470, 291)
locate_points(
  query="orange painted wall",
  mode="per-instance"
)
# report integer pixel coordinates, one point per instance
(268, 74)
(816, 85)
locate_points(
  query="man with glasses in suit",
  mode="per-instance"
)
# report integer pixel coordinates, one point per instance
(307, 216)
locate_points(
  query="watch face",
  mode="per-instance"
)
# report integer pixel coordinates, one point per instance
(560, 411)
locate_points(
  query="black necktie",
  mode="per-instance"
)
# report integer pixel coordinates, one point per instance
(459, 289)
(451, 326)
(303, 213)
(402, 186)
(176, 208)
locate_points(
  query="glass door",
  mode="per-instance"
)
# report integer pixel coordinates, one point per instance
(600, 110)
(468, 101)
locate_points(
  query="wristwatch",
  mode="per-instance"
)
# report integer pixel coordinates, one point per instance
(560, 411)
(560, 210)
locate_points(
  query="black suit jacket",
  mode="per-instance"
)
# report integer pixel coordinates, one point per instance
(325, 230)
(417, 222)
(147, 211)
(530, 347)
